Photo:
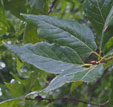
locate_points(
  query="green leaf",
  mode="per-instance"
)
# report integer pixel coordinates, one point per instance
(24, 86)
(107, 31)
(85, 75)
(39, 5)
(108, 64)
(3, 21)
(100, 14)
(109, 53)
(16, 89)
(108, 46)
(16, 7)
(111, 96)
(75, 85)
(19, 65)
(97, 12)
(64, 32)
(30, 35)
(48, 57)
(11, 102)
(32, 83)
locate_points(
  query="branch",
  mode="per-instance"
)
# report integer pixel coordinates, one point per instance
(107, 59)
(39, 98)
(51, 7)
(102, 61)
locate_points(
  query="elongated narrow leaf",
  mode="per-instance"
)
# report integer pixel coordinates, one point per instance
(48, 57)
(97, 12)
(3, 21)
(85, 75)
(64, 32)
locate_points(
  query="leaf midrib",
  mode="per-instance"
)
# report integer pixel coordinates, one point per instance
(54, 59)
(89, 71)
(100, 11)
(57, 56)
(71, 34)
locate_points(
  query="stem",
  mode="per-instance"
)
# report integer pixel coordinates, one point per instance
(107, 59)
(98, 55)
(51, 7)
(87, 65)
(39, 98)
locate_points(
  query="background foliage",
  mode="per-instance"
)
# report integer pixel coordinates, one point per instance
(89, 19)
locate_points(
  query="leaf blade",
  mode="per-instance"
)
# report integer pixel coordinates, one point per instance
(85, 75)
(97, 12)
(40, 58)
(64, 32)
(11, 102)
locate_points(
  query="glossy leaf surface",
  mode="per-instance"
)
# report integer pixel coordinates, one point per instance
(48, 57)
(85, 75)
(64, 32)
(97, 12)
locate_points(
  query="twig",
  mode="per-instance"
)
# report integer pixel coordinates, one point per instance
(39, 98)
(104, 105)
(107, 59)
(51, 7)
(102, 61)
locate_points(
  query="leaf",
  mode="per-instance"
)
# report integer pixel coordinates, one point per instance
(16, 89)
(89, 75)
(111, 95)
(3, 21)
(75, 85)
(109, 53)
(16, 7)
(64, 32)
(23, 86)
(19, 65)
(108, 64)
(100, 14)
(39, 5)
(32, 83)
(30, 34)
(33, 94)
(85, 75)
(51, 58)
(107, 31)
(109, 46)
(97, 12)
(11, 102)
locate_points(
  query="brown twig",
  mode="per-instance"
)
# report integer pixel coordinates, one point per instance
(39, 98)
(51, 7)
(102, 61)
(107, 59)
